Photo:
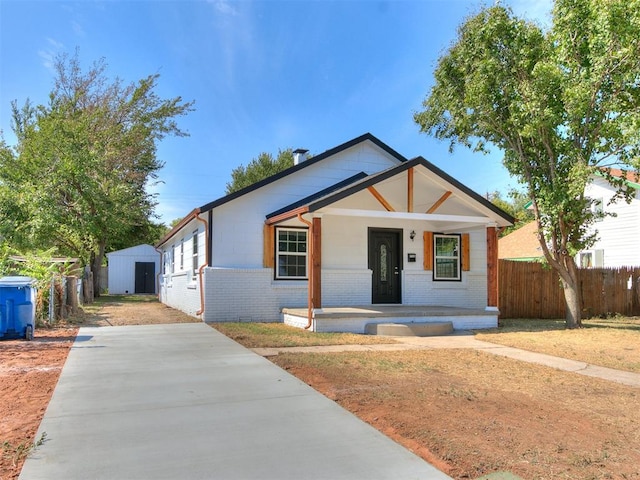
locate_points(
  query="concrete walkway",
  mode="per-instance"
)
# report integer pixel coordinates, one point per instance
(467, 340)
(184, 402)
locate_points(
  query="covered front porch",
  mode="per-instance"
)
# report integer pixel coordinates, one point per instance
(385, 248)
(419, 320)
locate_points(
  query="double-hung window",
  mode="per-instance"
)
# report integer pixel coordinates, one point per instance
(446, 256)
(291, 253)
(194, 255)
(172, 260)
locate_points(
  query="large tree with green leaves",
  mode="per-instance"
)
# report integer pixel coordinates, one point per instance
(561, 103)
(258, 169)
(516, 206)
(78, 177)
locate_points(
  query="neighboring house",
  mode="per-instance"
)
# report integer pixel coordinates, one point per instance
(133, 270)
(355, 235)
(617, 243)
(521, 244)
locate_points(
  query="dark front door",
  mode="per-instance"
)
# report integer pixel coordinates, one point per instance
(145, 277)
(384, 260)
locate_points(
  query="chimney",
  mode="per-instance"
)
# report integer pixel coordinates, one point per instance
(299, 156)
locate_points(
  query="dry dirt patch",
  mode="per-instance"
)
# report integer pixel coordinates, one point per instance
(118, 310)
(471, 413)
(29, 371)
(253, 335)
(612, 342)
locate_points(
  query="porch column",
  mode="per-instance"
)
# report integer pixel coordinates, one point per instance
(316, 263)
(492, 268)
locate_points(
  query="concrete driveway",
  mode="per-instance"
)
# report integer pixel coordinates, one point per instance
(183, 401)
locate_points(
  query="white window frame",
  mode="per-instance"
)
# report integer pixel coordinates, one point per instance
(281, 253)
(597, 208)
(457, 257)
(172, 259)
(182, 255)
(586, 259)
(194, 255)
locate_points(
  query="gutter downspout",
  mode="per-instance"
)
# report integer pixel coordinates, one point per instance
(159, 273)
(206, 261)
(310, 265)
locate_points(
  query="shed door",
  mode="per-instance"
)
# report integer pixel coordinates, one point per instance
(384, 260)
(145, 277)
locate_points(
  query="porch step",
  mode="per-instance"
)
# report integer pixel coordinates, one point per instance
(426, 329)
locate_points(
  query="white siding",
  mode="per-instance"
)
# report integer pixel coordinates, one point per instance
(617, 236)
(180, 288)
(238, 225)
(122, 264)
(238, 288)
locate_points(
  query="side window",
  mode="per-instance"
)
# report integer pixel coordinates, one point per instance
(291, 253)
(597, 207)
(446, 257)
(586, 260)
(172, 268)
(182, 255)
(194, 254)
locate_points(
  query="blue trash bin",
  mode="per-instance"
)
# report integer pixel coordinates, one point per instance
(17, 307)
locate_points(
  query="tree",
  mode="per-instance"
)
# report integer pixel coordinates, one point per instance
(77, 178)
(516, 207)
(561, 104)
(258, 169)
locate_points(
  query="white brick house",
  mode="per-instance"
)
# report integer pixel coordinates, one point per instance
(356, 226)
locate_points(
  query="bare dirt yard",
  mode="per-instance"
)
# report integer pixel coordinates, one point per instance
(467, 412)
(29, 371)
(471, 413)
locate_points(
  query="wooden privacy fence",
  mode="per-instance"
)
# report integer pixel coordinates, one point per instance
(531, 290)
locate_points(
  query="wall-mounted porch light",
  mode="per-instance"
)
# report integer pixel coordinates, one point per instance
(412, 235)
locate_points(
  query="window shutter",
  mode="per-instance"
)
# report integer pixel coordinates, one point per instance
(465, 261)
(428, 250)
(268, 250)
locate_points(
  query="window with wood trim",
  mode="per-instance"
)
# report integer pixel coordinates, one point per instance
(446, 255)
(291, 254)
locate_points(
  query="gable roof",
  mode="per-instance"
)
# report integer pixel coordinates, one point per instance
(521, 244)
(300, 166)
(630, 177)
(322, 193)
(316, 202)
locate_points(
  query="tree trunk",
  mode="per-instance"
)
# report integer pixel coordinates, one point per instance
(572, 296)
(96, 267)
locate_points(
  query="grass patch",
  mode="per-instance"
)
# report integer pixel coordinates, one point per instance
(20, 452)
(612, 342)
(257, 335)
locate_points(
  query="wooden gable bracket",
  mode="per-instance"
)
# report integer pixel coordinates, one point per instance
(381, 199)
(440, 201)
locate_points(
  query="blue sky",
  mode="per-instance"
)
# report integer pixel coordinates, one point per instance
(265, 75)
